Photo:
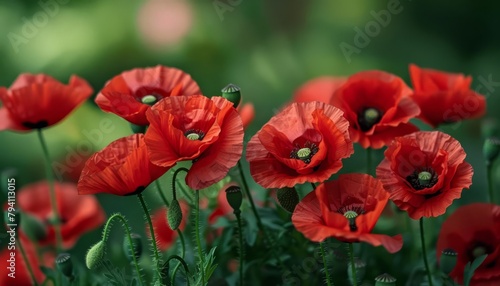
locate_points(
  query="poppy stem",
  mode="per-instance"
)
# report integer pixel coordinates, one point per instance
(151, 230)
(325, 265)
(422, 239)
(353, 266)
(183, 254)
(52, 192)
(369, 161)
(26, 261)
(489, 174)
(181, 262)
(198, 241)
(240, 236)
(162, 195)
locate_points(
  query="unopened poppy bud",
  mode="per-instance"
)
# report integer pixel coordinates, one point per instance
(64, 264)
(13, 217)
(288, 198)
(33, 227)
(174, 215)
(491, 149)
(234, 197)
(448, 260)
(136, 245)
(232, 93)
(385, 280)
(95, 255)
(138, 128)
(360, 266)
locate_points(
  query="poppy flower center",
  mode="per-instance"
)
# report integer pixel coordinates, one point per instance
(305, 153)
(149, 99)
(422, 179)
(351, 213)
(369, 117)
(193, 135)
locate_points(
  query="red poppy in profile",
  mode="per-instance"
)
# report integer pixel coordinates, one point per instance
(377, 106)
(122, 168)
(247, 113)
(130, 94)
(305, 142)
(445, 97)
(208, 132)
(164, 235)
(424, 172)
(38, 101)
(19, 268)
(78, 214)
(318, 89)
(346, 209)
(471, 231)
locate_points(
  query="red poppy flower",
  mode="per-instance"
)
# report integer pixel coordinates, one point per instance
(122, 168)
(471, 231)
(424, 172)
(445, 97)
(38, 101)
(78, 214)
(208, 132)
(164, 235)
(377, 106)
(19, 268)
(346, 209)
(318, 89)
(126, 95)
(303, 143)
(247, 113)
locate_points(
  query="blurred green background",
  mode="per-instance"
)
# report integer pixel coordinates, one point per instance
(268, 48)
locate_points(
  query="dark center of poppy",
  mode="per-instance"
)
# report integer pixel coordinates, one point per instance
(369, 117)
(304, 153)
(422, 179)
(37, 125)
(149, 99)
(479, 248)
(351, 213)
(194, 134)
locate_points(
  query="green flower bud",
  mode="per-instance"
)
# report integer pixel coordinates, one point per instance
(448, 260)
(491, 149)
(360, 266)
(64, 264)
(95, 255)
(232, 93)
(174, 215)
(138, 128)
(234, 197)
(33, 227)
(288, 198)
(385, 280)
(136, 245)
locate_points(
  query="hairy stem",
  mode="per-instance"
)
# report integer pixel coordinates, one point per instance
(198, 240)
(152, 232)
(325, 265)
(183, 254)
(424, 252)
(242, 258)
(162, 195)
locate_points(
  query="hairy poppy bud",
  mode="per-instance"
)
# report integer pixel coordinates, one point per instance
(34, 228)
(174, 215)
(95, 255)
(491, 149)
(288, 198)
(136, 245)
(385, 280)
(64, 264)
(448, 260)
(234, 198)
(232, 93)
(360, 266)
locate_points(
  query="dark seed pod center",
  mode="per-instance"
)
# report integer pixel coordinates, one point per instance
(369, 117)
(422, 179)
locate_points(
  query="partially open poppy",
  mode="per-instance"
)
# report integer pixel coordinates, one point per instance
(424, 172)
(77, 214)
(445, 97)
(38, 101)
(346, 209)
(122, 168)
(471, 231)
(17, 265)
(318, 89)
(164, 235)
(208, 132)
(377, 106)
(130, 94)
(305, 142)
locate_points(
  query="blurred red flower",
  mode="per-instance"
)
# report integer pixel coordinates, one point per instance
(305, 142)
(164, 235)
(124, 94)
(445, 97)
(208, 132)
(122, 168)
(346, 209)
(424, 172)
(78, 214)
(247, 113)
(223, 208)
(38, 101)
(318, 89)
(22, 276)
(471, 231)
(377, 106)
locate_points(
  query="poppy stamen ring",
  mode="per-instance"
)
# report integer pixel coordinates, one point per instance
(194, 135)
(351, 216)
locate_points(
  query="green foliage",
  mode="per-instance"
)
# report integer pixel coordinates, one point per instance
(471, 267)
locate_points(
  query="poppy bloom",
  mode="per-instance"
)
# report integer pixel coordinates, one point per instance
(471, 231)
(346, 209)
(38, 101)
(122, 168)
(208, 132)
(77, 214)
(247, 113)
(19, 267)
(318, 89)
(130, 94)
(305, 142)
(424, 172)
(164, 235)
(377, 106)
(445, 97)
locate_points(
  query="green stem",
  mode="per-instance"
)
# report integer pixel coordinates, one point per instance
(52, 194)
(325, 265)
(181, 262)
(153, 238)
(162, 195)
(197, 234)
(240, 232)
(422, 240)
(183, 254)
(489, 174)
(26, 261)
(369, 160)
(353, 266)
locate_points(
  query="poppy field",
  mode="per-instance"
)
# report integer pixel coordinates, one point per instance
(300, 153)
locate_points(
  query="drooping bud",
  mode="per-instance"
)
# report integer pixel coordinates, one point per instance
(33, 227)
(385, 280)
(232, 93)
(234, 197)
(64, 264)
(136, 245)
(95, 255)
(491, 149)
(448, 260)
(360, 267)
(174, 215)
(288, 198)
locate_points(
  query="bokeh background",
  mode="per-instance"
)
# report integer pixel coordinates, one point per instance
(268, 48)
